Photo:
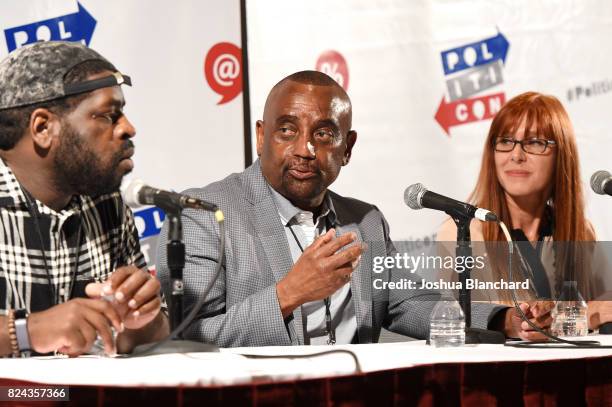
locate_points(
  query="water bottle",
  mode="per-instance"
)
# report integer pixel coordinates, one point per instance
(98, 346)
(447, 323)
(570, 312)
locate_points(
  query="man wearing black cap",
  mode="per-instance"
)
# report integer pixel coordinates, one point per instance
(70, 262)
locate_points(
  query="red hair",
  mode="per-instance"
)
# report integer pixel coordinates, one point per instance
(549, 118)
(551, 121)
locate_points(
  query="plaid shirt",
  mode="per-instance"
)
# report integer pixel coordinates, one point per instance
(108, 239)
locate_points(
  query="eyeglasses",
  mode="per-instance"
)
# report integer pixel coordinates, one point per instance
(531, 146)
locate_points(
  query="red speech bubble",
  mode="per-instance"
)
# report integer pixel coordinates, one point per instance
(223, 70)
(333, 64)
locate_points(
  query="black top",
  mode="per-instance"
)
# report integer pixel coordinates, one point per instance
(534, 269)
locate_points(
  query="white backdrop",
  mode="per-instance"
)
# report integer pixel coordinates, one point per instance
(387, 53)
(184, 137)
(393, 53)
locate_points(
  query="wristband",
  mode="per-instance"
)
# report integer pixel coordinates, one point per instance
(21, 329)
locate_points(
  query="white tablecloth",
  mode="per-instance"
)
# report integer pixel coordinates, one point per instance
(230, 367)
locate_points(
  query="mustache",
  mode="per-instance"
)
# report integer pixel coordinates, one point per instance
(127, 148)
(127, 144)
(304, 166)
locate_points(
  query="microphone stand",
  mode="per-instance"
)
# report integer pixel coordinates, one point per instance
(176, 264)
(464, 249)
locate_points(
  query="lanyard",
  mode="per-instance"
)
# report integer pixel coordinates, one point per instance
(33, 209)
(330, 331)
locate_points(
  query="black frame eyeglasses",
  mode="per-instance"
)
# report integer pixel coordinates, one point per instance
(530, 146)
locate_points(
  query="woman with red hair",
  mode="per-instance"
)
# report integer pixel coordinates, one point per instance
(530, 177)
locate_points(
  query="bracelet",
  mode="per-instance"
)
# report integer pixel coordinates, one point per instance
(13, 334)
(21, 330)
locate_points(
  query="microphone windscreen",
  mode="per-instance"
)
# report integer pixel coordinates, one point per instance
(131, 193)
(599, 180)
(413, 194)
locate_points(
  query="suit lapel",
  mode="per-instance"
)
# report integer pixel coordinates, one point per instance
(273, 239)
(360, 280)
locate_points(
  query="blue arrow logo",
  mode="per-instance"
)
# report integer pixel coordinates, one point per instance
(475, 54)
(78, 26)
(149, 221)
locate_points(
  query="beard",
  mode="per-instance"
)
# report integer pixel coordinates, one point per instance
(78, 169)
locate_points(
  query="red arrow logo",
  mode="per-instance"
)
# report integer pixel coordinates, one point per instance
(468, 110)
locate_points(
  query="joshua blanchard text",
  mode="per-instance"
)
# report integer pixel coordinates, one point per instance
(470, 284)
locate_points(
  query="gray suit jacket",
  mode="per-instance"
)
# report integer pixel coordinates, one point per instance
(242, 308)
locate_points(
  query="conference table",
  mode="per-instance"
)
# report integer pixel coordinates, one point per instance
(407, 373)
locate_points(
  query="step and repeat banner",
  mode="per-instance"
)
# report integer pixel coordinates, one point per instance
(425, 78)
(184, 59)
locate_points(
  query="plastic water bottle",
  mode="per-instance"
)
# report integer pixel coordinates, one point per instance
(447, 323)
(570, 312)
(98, 346)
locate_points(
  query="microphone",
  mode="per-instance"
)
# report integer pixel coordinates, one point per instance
(600, 182)
(138, 193)
(416, 196)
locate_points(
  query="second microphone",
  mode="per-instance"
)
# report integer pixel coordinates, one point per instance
(138, 193)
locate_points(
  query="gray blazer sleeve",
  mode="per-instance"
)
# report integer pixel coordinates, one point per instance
(408, 312)
(251, 320)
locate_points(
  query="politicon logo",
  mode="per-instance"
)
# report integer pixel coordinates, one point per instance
(149, 222)
(77, 27)
(223, 71)
(469, 70)
(333, 64)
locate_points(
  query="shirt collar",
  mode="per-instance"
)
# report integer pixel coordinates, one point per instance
(288, 211)
(13, 195)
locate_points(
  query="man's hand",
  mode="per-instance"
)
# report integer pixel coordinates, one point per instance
(538, 312)
(72, 327)
(135, 292)
(319, 272)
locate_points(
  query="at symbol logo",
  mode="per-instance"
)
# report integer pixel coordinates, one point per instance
(223, 70)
